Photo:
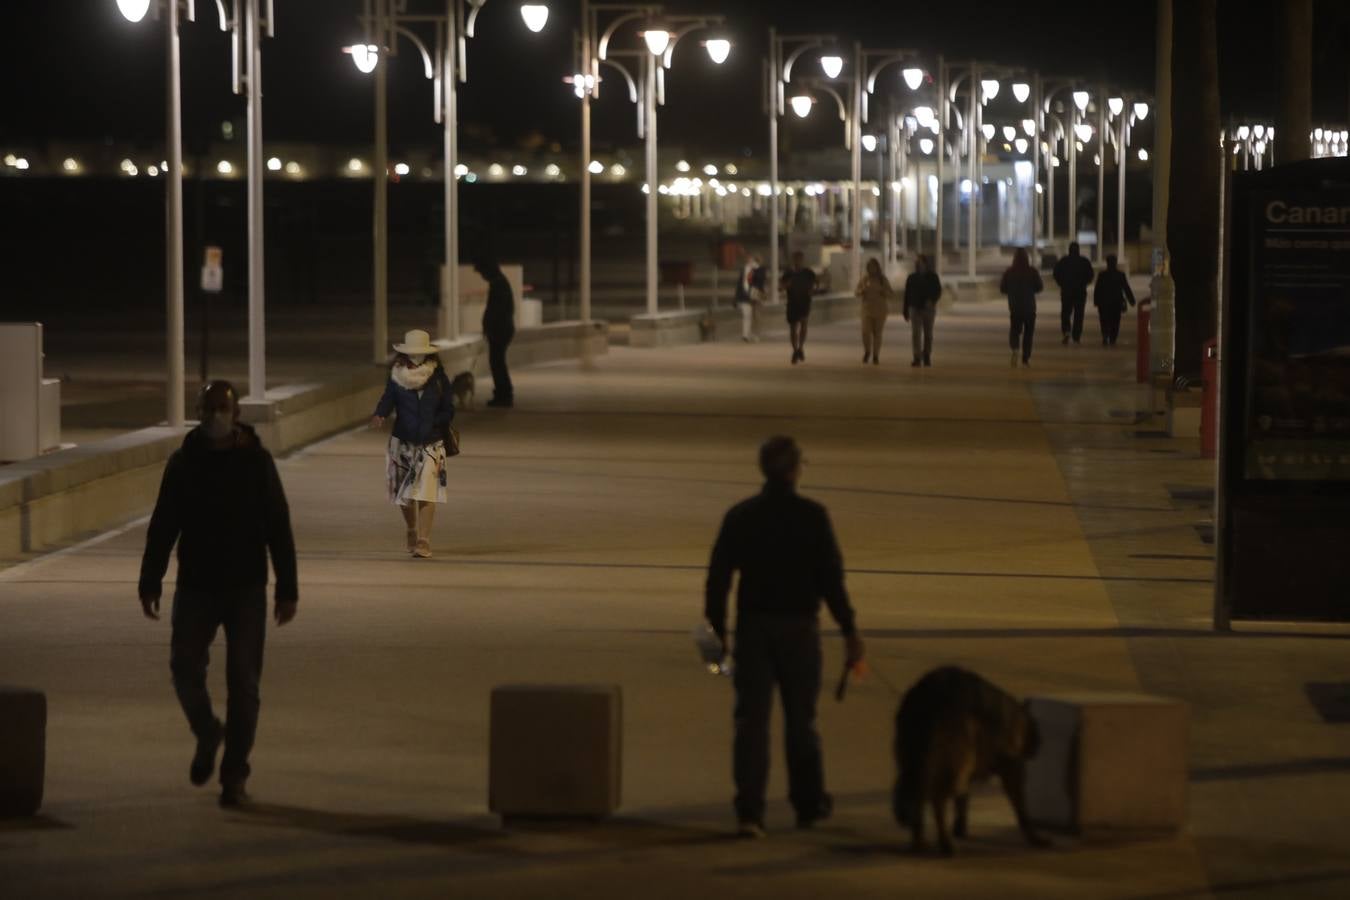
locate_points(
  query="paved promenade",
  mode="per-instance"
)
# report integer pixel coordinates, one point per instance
(1008, 520)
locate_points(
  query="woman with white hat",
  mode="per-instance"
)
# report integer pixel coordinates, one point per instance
(418, 393)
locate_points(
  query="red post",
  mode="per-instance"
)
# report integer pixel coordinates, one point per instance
(1142, 344)
(1209, 402)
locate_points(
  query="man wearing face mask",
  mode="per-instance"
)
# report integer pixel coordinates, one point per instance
(222, 502)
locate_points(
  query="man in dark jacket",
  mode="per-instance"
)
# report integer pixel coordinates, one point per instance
(1073, 274)
(800, 284)
(1110, 296)
(222, 502)
(785, 549)
(499, 327)
(923, 290)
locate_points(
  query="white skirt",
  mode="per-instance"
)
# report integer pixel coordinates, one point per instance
(416, 472)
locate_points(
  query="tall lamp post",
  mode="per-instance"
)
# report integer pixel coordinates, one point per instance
(245, 23)
(784, 52)
(848, 114)
(384, 21)
(871, 63)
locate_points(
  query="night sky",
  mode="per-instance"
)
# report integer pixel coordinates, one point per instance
(75, 69)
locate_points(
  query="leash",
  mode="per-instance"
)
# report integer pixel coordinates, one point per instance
(859, 672)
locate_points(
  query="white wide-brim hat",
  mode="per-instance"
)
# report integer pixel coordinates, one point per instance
(417, 342)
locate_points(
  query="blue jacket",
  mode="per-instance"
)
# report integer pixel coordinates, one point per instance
(420, 420)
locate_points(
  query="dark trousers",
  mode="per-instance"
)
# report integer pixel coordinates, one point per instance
(782, 651)
(1071, 316)
(1110, 325)
(1023, 327)
(501, 378)
(242, 612)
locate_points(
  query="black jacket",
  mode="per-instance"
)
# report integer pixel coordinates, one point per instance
(1073, 274)
(499, 316)
(785, 549)
(226, 510)
(1112, 292)
(920, 288)
(422, 418)
(1021, 288)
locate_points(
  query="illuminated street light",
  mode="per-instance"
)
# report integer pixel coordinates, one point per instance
(133, 10)
(224, 167)
(401, 169)
(1021, 145)
(831, 65)
(274, 165)
(657, 40)
(1021, 91)
(1141, 110)
(364, 56)
(989, 88)
(1080, 100)
(596, 167)
(1143, 155)
(1243, 132)
(1259, 131)
(801, 105)
(535, 16)
(869, 142)
(718, 49)
(926, 146)
(682, 166)
(1029, 126)
(1009, 132)
(1084, 131)
(70, 165)
(924, 116)
(552, 171)
(710, 170)
(913, 78)
(989, 131)
(292, 168)
(1116, 105)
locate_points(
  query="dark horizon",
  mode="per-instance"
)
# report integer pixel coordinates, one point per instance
(87, 74)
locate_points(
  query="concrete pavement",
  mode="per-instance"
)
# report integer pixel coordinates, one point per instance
(1008, 520)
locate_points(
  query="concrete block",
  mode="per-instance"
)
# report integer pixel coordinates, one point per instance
(1109, 761)
(555, 750)
(23, 750)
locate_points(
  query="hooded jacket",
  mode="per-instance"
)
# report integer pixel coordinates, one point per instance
(227, 511)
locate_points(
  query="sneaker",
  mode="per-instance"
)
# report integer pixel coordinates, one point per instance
(821, 813)
(204, 760)
(750, 830)
(233, 795)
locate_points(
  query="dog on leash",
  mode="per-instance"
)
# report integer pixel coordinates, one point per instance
(954, 728)
(461, 388)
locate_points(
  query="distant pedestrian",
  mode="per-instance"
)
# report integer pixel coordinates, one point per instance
(222, 502)
(1110, 297)
(1021, 283)
(418, 394)
(874, 290)
(1073, 274)
(499, 327)
(923, 290)
(800, 284)
(748, 297)
(785, 550)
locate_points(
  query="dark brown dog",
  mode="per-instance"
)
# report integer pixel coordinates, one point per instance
(955, 728)
(461, 388)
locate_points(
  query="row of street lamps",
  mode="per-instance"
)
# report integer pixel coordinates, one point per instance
(640, 68)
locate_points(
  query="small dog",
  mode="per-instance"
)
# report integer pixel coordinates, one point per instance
(954, 728)
(461, 388)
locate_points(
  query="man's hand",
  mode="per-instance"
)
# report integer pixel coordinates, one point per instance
(377, 421)
(150, 606)
(285, 611)
(853, 650)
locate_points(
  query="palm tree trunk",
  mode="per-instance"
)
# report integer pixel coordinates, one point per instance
(1294, 120)
(1193, 209)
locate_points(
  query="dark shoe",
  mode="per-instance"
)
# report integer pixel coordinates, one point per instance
(750, 830)
(1066, 340)
(916, 364)
(821, 813)
(801, 355)
(927, 361)
(867, 357)
(794, 357)
(502, 403)
(204, 760)
(232, 795)
(876, 360)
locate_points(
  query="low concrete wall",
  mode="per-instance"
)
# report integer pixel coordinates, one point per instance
(668, 329)
(48, 500)
(51, 500)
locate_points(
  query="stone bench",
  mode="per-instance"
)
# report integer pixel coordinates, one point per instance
(23, 750)
(555, 751)
(1109, 761)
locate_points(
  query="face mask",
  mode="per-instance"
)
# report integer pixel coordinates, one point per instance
(219, 425)
(417, 359)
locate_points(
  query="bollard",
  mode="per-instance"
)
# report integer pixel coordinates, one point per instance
(1143, 342)
(1209, 401)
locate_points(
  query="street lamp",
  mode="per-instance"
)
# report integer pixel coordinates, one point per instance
(1021, 91)
(913, 77)
(801, 105)
(246, 23)
(535, 16)
(832, 65)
